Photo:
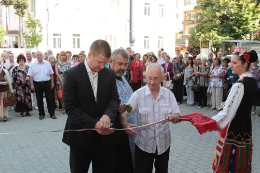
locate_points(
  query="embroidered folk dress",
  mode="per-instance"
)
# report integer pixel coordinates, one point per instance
(234, 148)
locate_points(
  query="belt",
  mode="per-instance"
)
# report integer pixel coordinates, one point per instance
(42, 81)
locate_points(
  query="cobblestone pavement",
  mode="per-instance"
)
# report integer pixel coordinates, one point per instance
(44, 152)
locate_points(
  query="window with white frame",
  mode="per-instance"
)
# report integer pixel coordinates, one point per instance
(160, 42)
(115, 8)
(76, 41)
(160, 10)
(146, 42)
(56, 40)
(147, 9)
(111, 39)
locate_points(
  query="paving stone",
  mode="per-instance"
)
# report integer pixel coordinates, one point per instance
(44, 152)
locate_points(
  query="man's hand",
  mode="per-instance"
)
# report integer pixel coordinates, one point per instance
(103, 131)
(32, 87)
(104, 122)
(121, 108)
(52, 86)
(128, 128)
(173, 118)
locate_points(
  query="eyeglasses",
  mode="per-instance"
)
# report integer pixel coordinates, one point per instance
(155, 79)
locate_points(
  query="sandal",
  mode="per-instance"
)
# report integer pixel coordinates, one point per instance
(5, 119)
(21, 114)
(252, 113)
(28, 114)
(63, 111)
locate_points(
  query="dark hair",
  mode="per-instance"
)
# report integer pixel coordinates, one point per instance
(253, 57)
(219, 60)
(21, 57)
(100, 47)
(226, 59)
(153, 56)
(75, 55)
(190, 58)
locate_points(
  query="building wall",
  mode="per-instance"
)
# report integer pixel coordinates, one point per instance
(155, 26)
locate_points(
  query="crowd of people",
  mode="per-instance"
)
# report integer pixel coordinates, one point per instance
(97, 87)
(32, 76)
(212, 73)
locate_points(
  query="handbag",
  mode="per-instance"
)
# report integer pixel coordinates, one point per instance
(196, 86)
(59, 93)
(168, 83)
(9, 101)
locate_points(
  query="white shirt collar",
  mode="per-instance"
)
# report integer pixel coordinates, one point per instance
(87, 67)
(148, 91)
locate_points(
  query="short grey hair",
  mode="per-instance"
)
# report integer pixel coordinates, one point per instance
(3, 53)
(204, 58)
(198, 57)
(155, 65)
(51, 56)
(121, 52)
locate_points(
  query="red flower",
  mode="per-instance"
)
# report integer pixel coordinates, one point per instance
(247, 56)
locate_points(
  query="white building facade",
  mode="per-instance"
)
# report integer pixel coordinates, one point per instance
(153, 26)
(72, 25)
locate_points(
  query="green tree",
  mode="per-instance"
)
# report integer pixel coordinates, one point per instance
(33, 37)
(226, 19)
(2, 33)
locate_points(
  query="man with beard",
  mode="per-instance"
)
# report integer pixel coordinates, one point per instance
(123, 163)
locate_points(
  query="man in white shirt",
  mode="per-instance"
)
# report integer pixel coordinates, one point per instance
(10, 66)
(41, 80)
(153, 103)
(29, 61)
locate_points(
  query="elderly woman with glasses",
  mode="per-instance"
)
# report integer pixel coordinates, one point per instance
(22, 87)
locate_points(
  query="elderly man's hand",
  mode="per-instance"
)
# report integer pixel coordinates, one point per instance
(128, 128)
(173, 118)
(121, 108)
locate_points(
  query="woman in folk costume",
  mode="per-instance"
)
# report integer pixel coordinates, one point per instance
(5, 89)
(233, 152)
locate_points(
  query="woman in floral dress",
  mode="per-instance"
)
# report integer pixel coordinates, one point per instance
(63, 65)
(217, 76)
(22, 87)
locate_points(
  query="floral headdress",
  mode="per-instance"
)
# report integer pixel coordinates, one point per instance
(239, 50)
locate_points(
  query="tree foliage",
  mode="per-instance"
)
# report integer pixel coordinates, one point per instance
(7, 3)
(33, 37)
(20, 6)
(226, 19)
(2, 33)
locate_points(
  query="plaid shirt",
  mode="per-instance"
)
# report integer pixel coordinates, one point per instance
(156, 137)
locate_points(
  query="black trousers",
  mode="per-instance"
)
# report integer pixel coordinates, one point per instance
(144, 161)
(136, 86)
(203, 96)
(100, 156)
(40, 88)
(178, 89)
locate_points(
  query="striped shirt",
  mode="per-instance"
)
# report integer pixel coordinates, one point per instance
(156, 137)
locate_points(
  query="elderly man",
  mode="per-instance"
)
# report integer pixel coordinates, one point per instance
(153, 103)
(41, 80)
(118, 62)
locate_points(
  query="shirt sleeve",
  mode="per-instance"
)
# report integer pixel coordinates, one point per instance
(174, 106)
(231, 105)
(30, 71)
(133, 102)
(50, 69)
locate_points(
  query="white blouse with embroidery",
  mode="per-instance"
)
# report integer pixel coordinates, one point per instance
(232, 103)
